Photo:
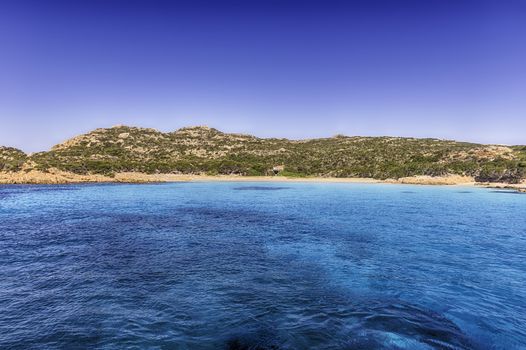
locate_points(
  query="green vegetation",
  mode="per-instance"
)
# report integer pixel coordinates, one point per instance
(11, 159)
(202, 150)
(287, 173)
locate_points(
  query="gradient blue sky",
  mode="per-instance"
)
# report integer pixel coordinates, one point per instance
(429, 68)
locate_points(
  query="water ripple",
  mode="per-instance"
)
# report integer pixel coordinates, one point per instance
(200, 266)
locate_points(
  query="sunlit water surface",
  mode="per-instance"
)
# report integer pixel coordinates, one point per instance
(262, 266)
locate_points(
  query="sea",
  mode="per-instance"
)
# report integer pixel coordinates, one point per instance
(255, 265)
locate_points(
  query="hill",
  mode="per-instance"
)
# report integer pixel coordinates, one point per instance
(11, 159)
(203, 150)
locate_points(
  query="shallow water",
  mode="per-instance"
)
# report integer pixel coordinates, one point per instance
(261, 266)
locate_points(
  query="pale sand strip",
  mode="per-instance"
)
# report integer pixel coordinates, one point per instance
(60, 177)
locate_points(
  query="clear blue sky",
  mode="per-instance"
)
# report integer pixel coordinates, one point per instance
(427, 68)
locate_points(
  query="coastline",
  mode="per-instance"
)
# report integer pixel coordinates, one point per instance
(61, 177)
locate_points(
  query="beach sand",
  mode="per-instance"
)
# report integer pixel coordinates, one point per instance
(60, 177)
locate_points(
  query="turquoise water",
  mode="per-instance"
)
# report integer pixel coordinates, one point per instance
(262, 266)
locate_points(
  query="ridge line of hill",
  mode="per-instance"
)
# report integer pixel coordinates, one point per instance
(208, 151)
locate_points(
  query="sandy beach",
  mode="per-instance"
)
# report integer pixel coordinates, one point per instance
(61, 177)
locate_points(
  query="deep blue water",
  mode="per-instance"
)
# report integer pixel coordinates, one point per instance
(262, 266)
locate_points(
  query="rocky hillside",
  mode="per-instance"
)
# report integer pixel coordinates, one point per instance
(209, 151)
(11, 159)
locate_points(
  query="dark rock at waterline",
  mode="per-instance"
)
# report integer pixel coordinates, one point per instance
(507, 176)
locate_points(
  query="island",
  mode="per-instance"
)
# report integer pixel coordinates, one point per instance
(133, 154)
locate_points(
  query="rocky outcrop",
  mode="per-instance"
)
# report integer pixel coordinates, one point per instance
(512, 176)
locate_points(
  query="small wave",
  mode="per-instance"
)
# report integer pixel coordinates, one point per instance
(507, 191)
(19, 189)
(252, 343)
(372, 325)
(260, 188)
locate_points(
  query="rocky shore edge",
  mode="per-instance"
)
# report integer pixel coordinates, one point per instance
(60, 177)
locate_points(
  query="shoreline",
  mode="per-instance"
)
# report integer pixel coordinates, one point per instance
(59, 177)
